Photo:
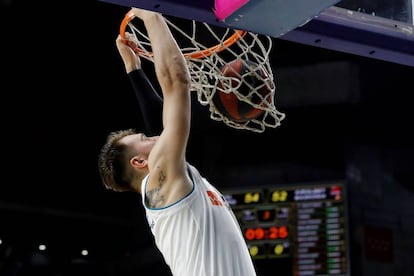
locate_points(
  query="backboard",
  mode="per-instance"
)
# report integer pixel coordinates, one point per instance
(375, 29)
(269, 17)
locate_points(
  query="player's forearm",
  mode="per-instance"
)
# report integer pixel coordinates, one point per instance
(170, 65)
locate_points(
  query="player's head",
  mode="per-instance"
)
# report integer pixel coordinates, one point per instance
(124, 158)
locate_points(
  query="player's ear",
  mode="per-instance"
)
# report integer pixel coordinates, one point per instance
(138, 162)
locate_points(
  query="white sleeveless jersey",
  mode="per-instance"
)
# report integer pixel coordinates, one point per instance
(199, 235)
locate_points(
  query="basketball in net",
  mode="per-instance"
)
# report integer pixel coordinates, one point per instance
(241, 79)
(230, 70)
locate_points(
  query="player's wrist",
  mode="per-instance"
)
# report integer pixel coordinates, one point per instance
(131, 66)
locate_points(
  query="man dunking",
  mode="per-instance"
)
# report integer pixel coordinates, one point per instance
(193, 226)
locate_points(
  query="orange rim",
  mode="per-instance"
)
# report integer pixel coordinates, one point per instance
(238, 34)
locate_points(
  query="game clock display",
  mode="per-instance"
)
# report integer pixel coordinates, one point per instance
(305, 224)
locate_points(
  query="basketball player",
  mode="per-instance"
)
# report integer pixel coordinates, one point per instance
(193, 226)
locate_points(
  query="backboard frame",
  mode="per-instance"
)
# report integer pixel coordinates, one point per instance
(326, 26)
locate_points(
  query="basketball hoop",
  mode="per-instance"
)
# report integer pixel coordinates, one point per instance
(207, 50)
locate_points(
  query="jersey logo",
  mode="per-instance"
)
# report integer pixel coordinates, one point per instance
(214, 199)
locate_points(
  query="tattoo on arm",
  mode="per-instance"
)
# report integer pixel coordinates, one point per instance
(154, 197)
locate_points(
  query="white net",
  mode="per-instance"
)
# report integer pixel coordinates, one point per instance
(209, 50)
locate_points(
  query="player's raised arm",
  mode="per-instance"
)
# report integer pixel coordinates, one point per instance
(166, 163)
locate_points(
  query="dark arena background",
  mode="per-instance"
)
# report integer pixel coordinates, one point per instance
(329, 192)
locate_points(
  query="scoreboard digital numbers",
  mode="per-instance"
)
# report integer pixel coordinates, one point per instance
(305, 224)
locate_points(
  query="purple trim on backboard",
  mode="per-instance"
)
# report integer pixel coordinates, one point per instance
(187, 9)
(224, 8)
(359, 34)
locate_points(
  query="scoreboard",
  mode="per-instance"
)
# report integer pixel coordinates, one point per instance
(304, 224)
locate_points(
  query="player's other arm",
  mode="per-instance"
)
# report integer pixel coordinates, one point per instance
(150, 103)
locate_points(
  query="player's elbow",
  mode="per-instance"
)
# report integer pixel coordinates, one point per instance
(176, 75)
(183, 79)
